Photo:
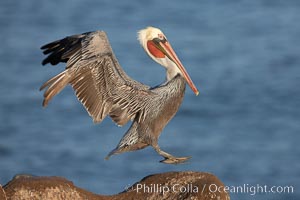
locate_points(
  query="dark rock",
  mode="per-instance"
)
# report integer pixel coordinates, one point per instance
(170, 185)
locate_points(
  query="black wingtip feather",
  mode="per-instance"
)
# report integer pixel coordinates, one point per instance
(61, 50)
(51, 44)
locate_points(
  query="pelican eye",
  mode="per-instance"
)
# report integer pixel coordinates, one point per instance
(162, 38)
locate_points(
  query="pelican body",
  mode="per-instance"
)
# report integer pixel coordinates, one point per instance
(103, 87)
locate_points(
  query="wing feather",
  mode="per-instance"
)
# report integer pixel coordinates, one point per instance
(99, 82)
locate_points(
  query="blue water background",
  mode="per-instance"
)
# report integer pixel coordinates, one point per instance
(244, 56)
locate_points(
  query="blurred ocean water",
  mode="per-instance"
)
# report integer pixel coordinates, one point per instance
(243, 127)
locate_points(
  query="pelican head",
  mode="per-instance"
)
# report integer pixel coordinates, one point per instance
(157, 46)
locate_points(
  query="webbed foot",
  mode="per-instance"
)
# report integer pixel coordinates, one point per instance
(175, 160)
(169, 159)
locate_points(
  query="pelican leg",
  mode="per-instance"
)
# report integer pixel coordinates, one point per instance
(170, 159)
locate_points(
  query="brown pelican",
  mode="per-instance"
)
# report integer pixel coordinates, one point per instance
(104, 88)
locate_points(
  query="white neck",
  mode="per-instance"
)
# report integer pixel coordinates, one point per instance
(172, 69)
(172, 72)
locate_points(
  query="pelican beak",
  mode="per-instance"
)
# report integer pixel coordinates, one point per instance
(165, 47)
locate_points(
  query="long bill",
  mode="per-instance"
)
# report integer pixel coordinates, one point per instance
(167, 49)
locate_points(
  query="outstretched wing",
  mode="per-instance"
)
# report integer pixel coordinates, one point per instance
(99, 82)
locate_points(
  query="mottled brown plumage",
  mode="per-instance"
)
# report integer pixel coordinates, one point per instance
(104, 89)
